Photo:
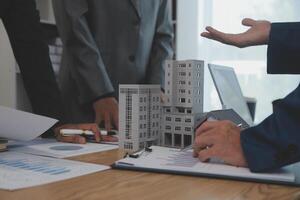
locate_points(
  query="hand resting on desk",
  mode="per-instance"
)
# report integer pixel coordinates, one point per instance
(80, 139)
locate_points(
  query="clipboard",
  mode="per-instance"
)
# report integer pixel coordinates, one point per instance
(160, 160)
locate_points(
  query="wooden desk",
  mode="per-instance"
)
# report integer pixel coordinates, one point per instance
(119, 184)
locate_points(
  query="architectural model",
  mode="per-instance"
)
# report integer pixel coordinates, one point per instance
(139, 116)
(143, 123)
(184, 86)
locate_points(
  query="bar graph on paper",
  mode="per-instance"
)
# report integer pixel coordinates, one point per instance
(18, 170)
(38, 167)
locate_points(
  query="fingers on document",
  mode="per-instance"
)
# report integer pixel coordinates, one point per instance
(72, 139)
(107, 138)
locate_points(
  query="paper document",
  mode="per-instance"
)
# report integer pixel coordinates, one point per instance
(19, 170)
(19, 125)
(176, 160)
(52, 148)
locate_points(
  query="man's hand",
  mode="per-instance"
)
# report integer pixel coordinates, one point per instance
(107, 110)
(219, 139)
(257, 34)
(77, 138)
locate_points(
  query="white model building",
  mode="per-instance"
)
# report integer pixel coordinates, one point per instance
(139, 116)
(184, 86)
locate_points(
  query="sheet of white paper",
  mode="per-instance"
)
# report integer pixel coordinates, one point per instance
(52, 148)
(19, 170)
(19, 125)
(183, 161)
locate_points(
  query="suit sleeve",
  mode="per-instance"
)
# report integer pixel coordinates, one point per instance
(275, 142)
(31, 52)
(162, 47)
(88, 68)
(284, 48)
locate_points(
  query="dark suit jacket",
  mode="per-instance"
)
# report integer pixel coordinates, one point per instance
(21, 21)
(276, 141)
(107, 43)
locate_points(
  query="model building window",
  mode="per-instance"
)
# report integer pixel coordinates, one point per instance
(187, 140)
(177, 128)
(177, 140)
(141, 108)
(168, 119)
(180, 110)
(141, 117)
(187, 128)
(182, 65)
(182, 73)
(181, 82)
(168, 139)
(168, 127)
(141, 135)
(182, 91)
(182, 100)
(189, 111)
(188, 120)
(177, 119)
(142, 145)
(141, 100)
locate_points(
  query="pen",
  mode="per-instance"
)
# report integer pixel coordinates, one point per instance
(67, 132)
(239, 125)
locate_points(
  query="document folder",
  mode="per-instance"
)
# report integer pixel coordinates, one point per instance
(181, 162)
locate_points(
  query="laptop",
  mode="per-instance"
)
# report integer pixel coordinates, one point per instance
(229, 91)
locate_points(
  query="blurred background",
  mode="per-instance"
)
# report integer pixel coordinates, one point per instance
(189, 18)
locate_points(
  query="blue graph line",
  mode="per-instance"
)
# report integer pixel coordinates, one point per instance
(35, 167)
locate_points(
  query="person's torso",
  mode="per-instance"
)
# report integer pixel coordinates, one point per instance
(123, 31)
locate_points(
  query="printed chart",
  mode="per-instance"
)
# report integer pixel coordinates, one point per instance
(18, 170)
